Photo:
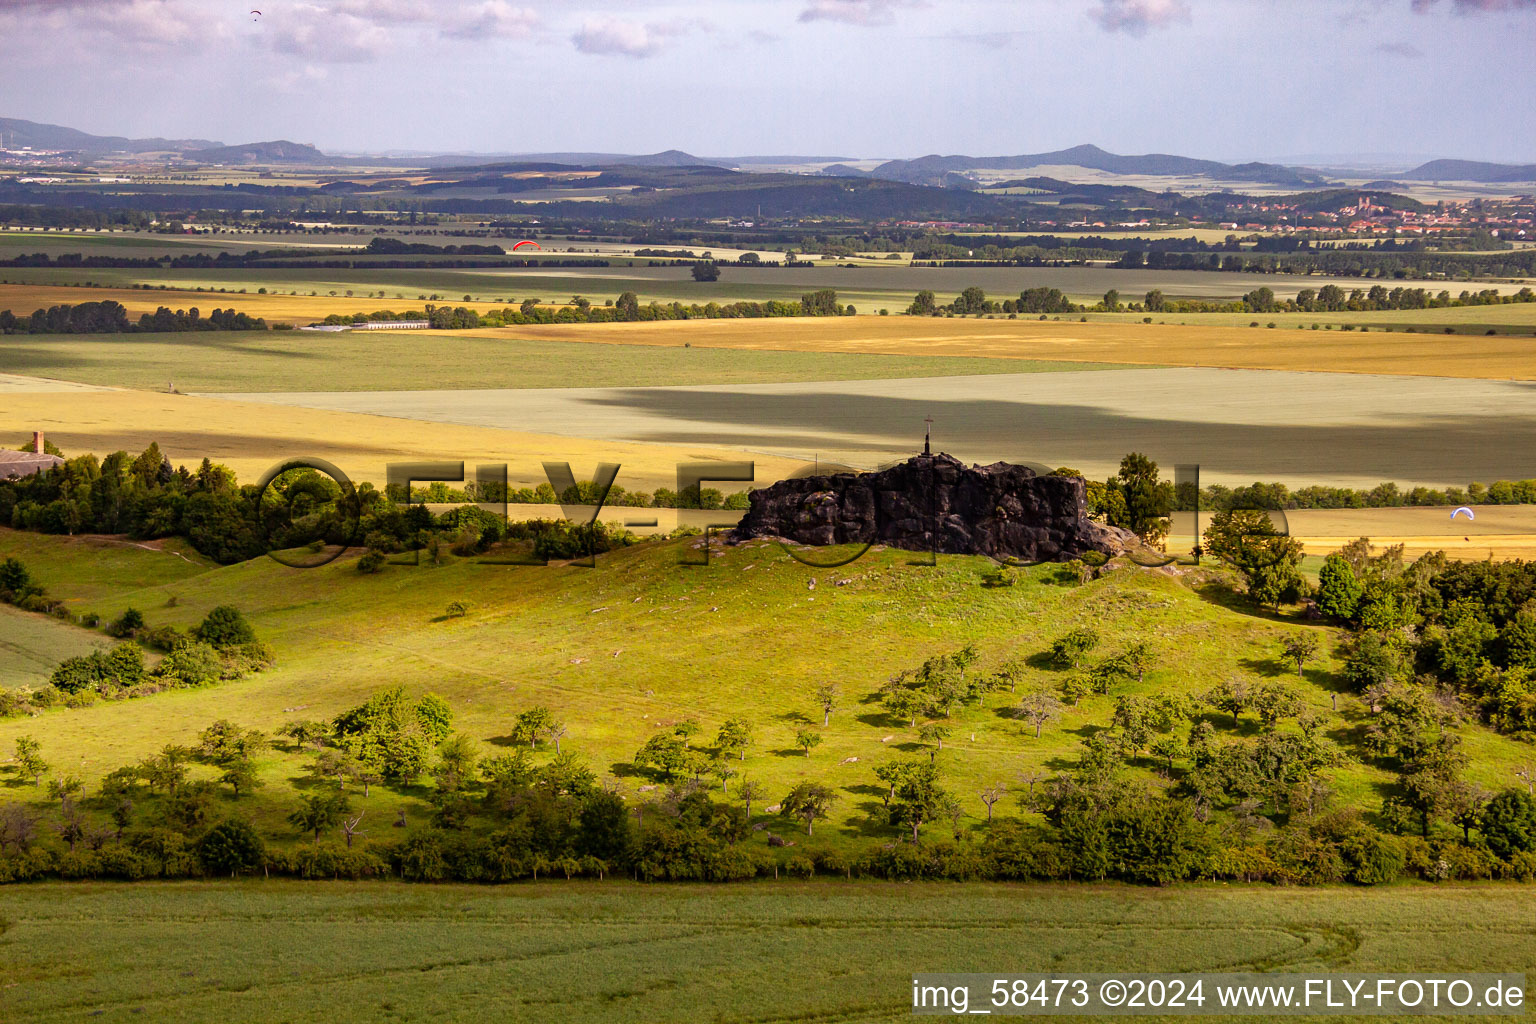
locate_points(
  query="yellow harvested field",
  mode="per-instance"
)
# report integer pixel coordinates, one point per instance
(1495, 531)
(1494, 357)
(251, 437)
(24, 298)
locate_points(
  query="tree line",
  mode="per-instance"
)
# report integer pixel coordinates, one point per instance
(1331, 298)
(108, 317)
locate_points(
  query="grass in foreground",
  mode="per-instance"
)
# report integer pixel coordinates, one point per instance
(616, 952)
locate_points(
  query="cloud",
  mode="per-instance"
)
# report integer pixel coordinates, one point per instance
(617, 37)
(1400, 49)
(1477, 6)
(149, 23)
(1135, 17)
(855, 12)
(330, 34)
(494, 19)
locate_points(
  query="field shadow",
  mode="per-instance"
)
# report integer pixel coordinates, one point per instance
(1223, 596)
(1268, 667)
(872, 820)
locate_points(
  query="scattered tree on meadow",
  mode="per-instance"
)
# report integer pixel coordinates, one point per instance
(826, 699)
(810, 802)
(1038, 708)
(1299, 648)
(320, 811)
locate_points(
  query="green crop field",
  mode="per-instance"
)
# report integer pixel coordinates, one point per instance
(411, 360)
(615, 952)
(639, 643)
(32, 645)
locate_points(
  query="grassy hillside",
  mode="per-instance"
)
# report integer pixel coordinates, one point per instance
(640, 643)
(274, 951)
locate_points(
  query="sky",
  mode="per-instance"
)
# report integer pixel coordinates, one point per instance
(1220, 79)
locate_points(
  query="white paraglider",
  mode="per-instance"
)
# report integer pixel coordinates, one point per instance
(1462, 509)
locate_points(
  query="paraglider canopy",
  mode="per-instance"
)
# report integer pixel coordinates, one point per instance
(1462, 509)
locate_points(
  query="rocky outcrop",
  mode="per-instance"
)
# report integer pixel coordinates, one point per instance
(934, 503)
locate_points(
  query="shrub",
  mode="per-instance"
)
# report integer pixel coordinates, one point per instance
(193, 664)
(225, 627)
(127, 624)
(1372, 857)
(371, 562)
(799, 866)
(164, 638)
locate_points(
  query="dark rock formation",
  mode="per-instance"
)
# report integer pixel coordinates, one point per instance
(934, 503)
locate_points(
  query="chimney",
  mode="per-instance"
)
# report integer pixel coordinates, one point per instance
(37, 441)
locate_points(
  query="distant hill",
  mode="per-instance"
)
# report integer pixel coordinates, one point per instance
(279, 152)
(667, 158)
(1470, 170)
(929, 170)
(19, 134)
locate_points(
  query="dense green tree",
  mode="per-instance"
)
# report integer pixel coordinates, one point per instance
(1508, 823)
(1338, 589)
(233, 846)
(225, 628)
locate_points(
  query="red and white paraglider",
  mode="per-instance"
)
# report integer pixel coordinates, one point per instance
(527, 241)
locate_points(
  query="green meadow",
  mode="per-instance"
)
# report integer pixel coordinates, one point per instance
(640, 643)
(263, 952)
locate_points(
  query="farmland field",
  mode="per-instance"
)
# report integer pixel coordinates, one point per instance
(396, 360)
(261, 952)
(250, 437)
(1499, 357)
(868, 287)
(1237, 425)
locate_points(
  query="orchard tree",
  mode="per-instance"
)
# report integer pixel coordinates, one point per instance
(1234, 696)
(734, 737)
(240, 776)
(991, 795)
(1068, 650)
(918, 799)
(809, 802)
(1299, 648)
(826, 699)
(807, 739)
(532, 725)
(29, 760)
(320, 811)
(934, 733)
(748, 791)
(1038, 708)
